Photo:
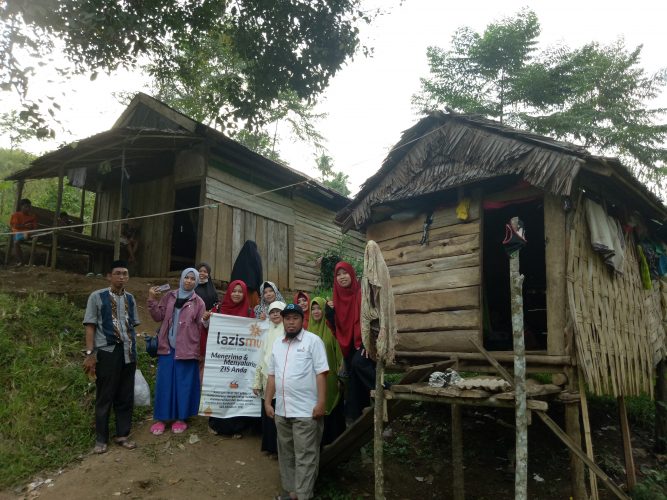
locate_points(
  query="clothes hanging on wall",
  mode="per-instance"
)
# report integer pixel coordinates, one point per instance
(606, 235)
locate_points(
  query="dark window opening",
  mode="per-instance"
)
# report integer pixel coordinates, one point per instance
(496, 297)
(184, 231)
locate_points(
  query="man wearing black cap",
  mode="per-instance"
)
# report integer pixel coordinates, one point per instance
(111, 355)
(297, 377)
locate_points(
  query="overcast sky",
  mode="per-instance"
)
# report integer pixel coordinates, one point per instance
(368, 102)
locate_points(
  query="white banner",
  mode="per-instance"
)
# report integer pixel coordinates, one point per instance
(232, 352)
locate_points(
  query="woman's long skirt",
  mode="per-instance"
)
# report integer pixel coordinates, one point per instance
(177, 388)
(269, 431)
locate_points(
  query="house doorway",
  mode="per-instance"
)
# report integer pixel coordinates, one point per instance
(184, 231)
(496, 299)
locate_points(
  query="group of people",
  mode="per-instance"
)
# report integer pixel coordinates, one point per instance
(311, 347)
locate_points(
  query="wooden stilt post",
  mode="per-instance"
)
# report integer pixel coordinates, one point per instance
(458, 482)
(630, 477)
(378, 422)
(59, 203)
(592, 479)
(521, 419)
(661, 407)
(573, 429)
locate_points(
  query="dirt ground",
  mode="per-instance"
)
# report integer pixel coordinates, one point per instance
(198, 464)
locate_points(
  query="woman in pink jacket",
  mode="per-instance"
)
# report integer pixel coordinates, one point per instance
(177, 387)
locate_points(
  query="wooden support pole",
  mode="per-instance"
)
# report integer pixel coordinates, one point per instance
(576, 449)
(630, 477)
(661, 407)
(592, 479)
(573, 429)
(458, 482)
(521, 421)
(378, 427)
(83, 205)
(59, 204)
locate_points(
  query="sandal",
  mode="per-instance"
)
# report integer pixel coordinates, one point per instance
(125, 443)
(100, 448)
(179, 427)
(157, 428)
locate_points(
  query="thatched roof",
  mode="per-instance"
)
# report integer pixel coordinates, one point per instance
(446, 150)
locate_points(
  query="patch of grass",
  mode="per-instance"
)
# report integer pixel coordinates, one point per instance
(652, 487)
(46, 401)
(641, 410)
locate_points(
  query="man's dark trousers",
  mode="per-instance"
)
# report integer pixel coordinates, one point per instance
(115, 387)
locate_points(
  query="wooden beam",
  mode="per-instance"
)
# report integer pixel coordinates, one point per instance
(501, 371)
(556, 262)
(503, 357)
(490, 401)
(83, 205)
(576, 449)
(378, 424)
(119, 210)
(630, 476)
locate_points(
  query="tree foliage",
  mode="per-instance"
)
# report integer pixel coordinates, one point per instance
(329, 177)
(259, 49)
(596, 95)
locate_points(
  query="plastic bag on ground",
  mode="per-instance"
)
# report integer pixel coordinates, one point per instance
(142, 392)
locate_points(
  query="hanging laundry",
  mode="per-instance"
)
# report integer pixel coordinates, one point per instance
(606, 235)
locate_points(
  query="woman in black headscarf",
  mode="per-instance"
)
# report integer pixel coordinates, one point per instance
(205, 289)
(248, 268)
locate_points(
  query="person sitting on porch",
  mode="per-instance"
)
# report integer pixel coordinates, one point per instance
(21, 221)
(129, 234)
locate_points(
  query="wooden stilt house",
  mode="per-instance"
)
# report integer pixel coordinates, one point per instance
(158, 163)
(438, 208)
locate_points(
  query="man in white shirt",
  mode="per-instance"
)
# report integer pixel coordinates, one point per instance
(297, 377)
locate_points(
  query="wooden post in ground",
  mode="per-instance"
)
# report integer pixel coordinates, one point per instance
(521, 419)
(661, 407)
(592, 478)
(378, 423)
(59, 204)
(573, 429)
(630, 477)
(458, 482)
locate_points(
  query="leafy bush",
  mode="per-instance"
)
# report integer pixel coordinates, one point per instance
(341, 251)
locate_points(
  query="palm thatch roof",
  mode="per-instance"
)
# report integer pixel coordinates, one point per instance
(447, 150)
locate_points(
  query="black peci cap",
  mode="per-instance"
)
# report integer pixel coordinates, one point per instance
(291, 308)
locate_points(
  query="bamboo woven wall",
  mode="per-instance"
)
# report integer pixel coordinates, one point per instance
(618, 325)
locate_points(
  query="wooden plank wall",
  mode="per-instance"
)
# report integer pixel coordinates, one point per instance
(282, 226)
(314, 233)
(152, 197)
(436, 286)
(226, 228)
(155, 233)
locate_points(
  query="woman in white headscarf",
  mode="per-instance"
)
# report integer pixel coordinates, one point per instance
(276, 331)
(177, 384)
(269, 293)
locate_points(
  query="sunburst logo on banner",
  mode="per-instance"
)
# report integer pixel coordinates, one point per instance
(255, 330)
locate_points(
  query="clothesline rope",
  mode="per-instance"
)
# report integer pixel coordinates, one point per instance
(45, 230)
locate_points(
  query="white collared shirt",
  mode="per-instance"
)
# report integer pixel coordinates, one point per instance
(295, 364)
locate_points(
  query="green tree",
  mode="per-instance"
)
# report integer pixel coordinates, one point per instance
(329, 177)
(597, 95)
(262, 48)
